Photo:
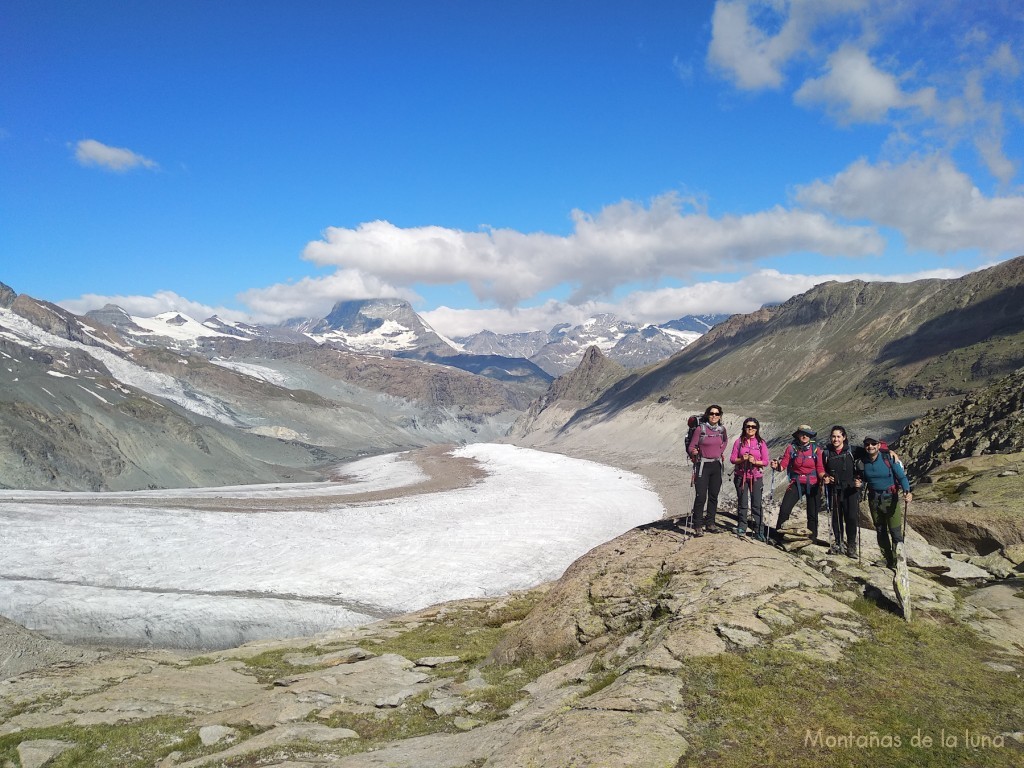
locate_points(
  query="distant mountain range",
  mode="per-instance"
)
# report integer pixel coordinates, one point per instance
(111, 401)
(873, 355)
(392, 327)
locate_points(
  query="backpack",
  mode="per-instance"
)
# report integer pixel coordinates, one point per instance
(849, 463)
(791, 468)
(692, 424)
(886, 456)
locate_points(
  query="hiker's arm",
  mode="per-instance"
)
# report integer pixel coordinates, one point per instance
(734, 457)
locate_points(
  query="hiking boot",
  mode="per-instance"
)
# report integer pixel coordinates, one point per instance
(713, 529)
(760, 537)
(698, 531)
(851, 552)
(835, 549)
(741, 531)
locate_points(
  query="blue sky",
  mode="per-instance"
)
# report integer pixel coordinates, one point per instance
(502, 165)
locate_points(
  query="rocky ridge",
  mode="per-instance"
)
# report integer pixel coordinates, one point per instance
(569, 392)
(856, 351)
(990, 420)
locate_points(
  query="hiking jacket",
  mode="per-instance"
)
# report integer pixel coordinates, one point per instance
(711, 445)
(806, 463)
(841, 465)
(756, 448)
(882, 477)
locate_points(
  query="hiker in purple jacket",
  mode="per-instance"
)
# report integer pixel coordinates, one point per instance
(707, 451)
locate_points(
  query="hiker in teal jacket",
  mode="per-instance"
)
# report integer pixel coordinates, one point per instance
(884, 479)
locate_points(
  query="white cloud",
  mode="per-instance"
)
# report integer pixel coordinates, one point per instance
(854, 90)
(623, 243)
(148, 306)
(90, 152)
(315, 296)
(464, 322)
(933, 204)
(752, 41)
(311, 299)
(948, 77)
(747, 294)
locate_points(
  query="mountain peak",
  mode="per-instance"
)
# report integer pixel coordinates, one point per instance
(388, 325)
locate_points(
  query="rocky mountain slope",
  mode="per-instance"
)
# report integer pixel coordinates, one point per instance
(987, 421)
(873, 355)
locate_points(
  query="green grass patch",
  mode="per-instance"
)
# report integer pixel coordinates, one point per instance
(407, 721)
(874, 708)
(469, 633)
(33, 705)
(125, 745)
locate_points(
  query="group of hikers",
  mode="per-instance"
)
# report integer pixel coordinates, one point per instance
(836, 475)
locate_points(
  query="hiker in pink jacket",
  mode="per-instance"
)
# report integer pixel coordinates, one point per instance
(802, 461)
(749, 457)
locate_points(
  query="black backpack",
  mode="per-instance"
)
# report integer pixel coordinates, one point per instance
(692, 425)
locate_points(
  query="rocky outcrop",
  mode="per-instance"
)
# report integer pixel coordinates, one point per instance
(984, 422)
(644, 600)
(569, 392)
(60, 322)
(7, 296)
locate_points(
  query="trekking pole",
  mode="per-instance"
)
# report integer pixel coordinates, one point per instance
(830, 506)
(906, 509)
(689, 515)
(860, 562)
(860, 499)
(750, 503)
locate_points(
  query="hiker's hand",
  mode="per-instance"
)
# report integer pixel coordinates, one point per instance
(857, 482)
(775, 463)
(826, 479)
(909, 497)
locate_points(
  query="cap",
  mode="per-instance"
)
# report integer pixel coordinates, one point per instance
(803, 429)
(870, 441)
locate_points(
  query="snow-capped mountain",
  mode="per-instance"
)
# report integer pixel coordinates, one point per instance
(524, 345)
(561, 349)
(392, 327)
(696, 323)
(177, 330)
(380, 325)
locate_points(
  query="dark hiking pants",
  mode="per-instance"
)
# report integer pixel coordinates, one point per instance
(794, 493)
(749, 492)
(709, 483)
(845, 505)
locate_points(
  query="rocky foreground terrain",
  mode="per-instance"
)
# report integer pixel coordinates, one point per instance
(651, 650)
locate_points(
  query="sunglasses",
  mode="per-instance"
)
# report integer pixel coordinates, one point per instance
(714, 413)
(750, 426)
